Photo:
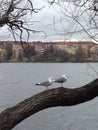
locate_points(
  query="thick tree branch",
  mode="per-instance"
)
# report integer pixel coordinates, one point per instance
(49, 98)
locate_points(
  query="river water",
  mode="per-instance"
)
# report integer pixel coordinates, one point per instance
(17, 82)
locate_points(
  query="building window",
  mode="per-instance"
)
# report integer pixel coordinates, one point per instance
(96, 52)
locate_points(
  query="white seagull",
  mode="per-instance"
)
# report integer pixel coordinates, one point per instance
(46, 83)
(62, 79)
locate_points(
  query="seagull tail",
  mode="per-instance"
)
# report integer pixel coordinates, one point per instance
(37, 84)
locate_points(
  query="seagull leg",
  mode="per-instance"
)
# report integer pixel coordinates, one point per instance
(61, 84)
(47, 87)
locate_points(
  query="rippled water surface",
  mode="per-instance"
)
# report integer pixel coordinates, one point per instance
(17, 82)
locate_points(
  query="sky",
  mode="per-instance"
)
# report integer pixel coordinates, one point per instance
(52, 22)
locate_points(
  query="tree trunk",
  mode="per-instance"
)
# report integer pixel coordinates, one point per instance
(48, 98)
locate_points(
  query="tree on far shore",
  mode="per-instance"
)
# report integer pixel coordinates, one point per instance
(80, 55)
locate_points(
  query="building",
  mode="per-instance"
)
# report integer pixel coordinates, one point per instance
(90, 48)
(17, 51)
(72, 47)
(3, 54)
(94, 51)
(69, 47)
(38, 45)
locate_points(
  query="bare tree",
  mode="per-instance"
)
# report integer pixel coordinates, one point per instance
(13, 13)
(78, 17)
(16, 14)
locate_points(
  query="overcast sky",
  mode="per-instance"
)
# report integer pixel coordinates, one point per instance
(52, 22)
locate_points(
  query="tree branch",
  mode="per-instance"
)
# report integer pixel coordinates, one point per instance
(16, 17)
(49, 98)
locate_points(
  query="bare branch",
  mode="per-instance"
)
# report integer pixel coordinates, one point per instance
(14, 15)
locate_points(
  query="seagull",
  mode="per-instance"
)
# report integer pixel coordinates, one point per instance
(46, 83)
(62, 79)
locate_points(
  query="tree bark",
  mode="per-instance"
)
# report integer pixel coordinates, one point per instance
(48, 98)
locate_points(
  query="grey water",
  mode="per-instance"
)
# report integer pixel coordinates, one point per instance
(17, 82)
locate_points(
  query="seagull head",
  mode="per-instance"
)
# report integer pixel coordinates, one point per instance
(65, 76)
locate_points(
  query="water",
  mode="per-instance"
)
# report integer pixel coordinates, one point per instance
(17, 82)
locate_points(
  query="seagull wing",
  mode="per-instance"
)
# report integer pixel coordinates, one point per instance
(60, 80)
(46, 83)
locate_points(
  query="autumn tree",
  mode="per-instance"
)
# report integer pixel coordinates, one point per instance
(80, 55)
(53, 54)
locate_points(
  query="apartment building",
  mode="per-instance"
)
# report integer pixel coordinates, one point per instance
(72, 47)
(90, 48)
(3, 54)
(17, 50)
(94, 51)
(69, 47)
(39, 46)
